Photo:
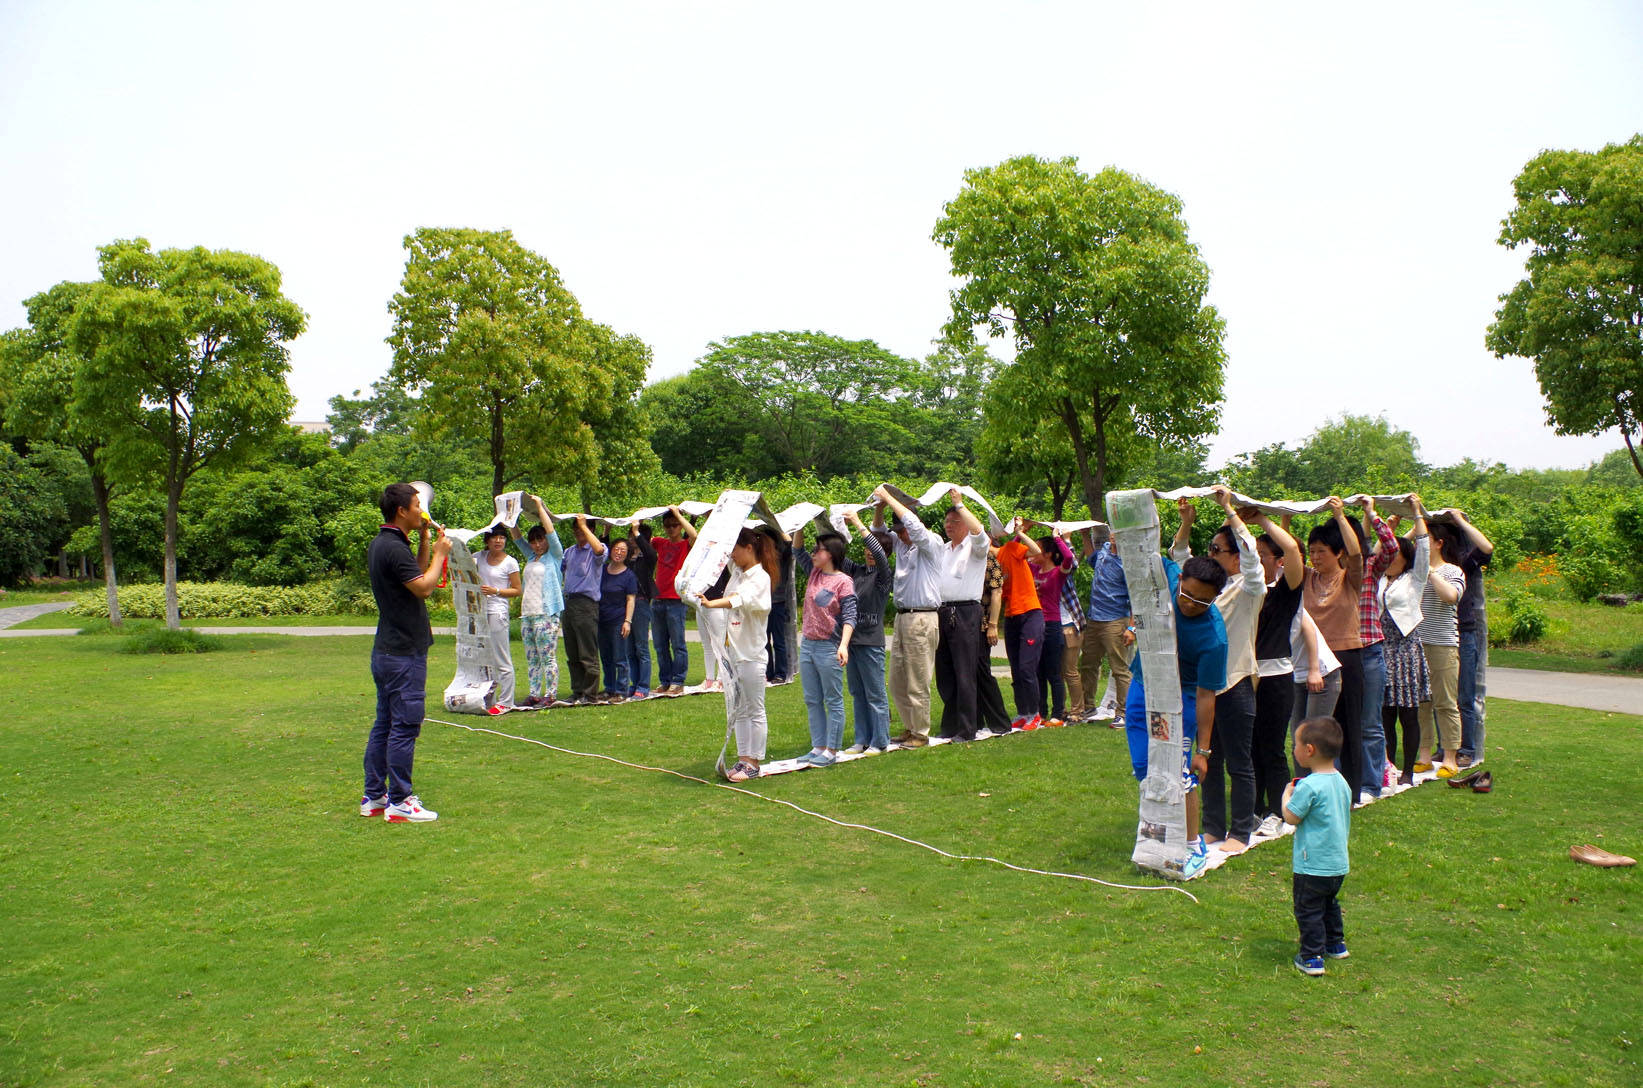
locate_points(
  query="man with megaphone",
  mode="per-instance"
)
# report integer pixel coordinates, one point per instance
(401, 583)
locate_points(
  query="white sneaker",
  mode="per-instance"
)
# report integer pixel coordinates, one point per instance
(1271, 827)
(855, 749)
(873, 751)
(373, 806)
(409, 811)
(1104, 714)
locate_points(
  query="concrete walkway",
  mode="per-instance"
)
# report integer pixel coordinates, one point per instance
(1589, 691)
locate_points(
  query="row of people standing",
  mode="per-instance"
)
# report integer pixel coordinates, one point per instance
(1368, 633)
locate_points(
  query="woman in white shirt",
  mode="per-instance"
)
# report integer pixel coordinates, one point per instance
(499, 581)
(754, 563)
(1407, 682)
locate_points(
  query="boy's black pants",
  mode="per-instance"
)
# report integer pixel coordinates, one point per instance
(1318, 912)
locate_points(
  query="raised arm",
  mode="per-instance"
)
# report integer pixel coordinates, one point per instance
(1021, 527)
(1180, 548)
(1294, 565)
(584, 535)
(1386, 540)
(971, 522)
(428, 580)
(1474, 534)
(684, 522)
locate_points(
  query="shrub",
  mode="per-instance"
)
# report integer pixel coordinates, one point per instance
(1527, 621)
(163, 640)
(229, 600)
(1632, 659)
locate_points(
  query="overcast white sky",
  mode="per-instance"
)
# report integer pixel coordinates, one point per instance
(699, 170)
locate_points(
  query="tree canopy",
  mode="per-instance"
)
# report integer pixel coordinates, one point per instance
(1095, 280)
(185, 364)
(1578, 312)
(487, 335)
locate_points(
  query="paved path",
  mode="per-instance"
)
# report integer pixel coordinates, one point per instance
(17, 613)
(1591, 691)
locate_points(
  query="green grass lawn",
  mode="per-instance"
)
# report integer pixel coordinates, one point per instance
(191, 898)
(1581, 637)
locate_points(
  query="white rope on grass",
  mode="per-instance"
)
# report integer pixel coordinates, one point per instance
(820, 816)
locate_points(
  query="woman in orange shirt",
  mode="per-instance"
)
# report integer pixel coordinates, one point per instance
(1023, 623)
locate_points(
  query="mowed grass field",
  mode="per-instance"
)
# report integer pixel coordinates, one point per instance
(190, 897)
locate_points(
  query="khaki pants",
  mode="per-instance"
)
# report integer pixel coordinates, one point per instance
(1443, 663)
(1104, 639)
(912, 663)
(1074, 640)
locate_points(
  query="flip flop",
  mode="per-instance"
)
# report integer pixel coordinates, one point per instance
(1593, 855)
(1485, 782)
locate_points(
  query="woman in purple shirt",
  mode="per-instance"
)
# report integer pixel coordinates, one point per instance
(1051, 568)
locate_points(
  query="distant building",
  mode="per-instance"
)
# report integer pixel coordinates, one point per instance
(310, 426)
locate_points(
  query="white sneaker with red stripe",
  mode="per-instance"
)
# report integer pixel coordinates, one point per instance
(409, 811)
(373, 806)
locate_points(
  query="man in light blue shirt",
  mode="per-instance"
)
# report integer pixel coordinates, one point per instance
(917, 630)
(1111, 631)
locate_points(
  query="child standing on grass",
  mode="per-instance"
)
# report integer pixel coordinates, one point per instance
(1320, 807)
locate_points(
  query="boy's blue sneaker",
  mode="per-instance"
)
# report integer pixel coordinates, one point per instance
(1337, 951)
(1309, 965)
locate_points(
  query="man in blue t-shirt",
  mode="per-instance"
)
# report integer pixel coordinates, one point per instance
(1201, 652)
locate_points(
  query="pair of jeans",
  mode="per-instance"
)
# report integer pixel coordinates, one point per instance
(1318, 911)
(1230, 752)
(775, 669)
(639, 648)
(823, 680)
(866, 671)
(1311, 704)
(1024, 645)
(1274, 697)
(959, 624)
(613, 656)
(1474, 666)
(1374, 735)
(668, 630)
(390, 748)
(1052, 685)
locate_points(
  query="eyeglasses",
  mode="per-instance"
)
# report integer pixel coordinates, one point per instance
(1187, 596)
(1216, 549)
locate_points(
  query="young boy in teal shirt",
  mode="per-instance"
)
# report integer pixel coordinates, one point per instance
(1320, 807)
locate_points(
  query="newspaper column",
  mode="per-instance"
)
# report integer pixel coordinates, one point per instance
(1161, 837)
(472, 691)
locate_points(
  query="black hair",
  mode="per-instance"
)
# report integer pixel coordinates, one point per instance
(1449, 537)
(643, 529)
(1231, 541)
(669, 518)
(1329, 535)
(1323, 733)
(494, 530)
(1206, 570)
(1271, 545)
(833, 544)
(396, 497)
(886, 541)
(1099, 535)
(1406, 548)
(537, 532)
(764, 551)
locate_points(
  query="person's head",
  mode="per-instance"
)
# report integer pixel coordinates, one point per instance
(1403, 557)
(397, 498)
(496, 541)
(619, 551)
(1100, 536)
(828, 553)
(1272, 557)
(1223, 548)
(1317, 742)
(883, 538)
(1202, 580)
(955, 526)
(754, 547)
(537, 538)
(643, 530)
(1325, 547)
(1446, 542)
(671, 526)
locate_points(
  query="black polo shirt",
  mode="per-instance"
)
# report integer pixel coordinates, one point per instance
(402, 616)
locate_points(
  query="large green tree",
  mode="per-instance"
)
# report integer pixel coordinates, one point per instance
(1095, 280)
(814, 402)
(41, 372)
(489, 339)
(185, 366)
(1578, 311)
(1346, 454)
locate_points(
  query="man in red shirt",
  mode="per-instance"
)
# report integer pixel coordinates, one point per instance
(668, 611)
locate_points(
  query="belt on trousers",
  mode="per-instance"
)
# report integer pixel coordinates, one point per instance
(904, 611)
(955, 604)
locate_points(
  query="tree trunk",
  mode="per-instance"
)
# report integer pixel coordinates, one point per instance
(1631, 449)
(173, 497)
(498, 458)
(105, 531)
(1094, 483)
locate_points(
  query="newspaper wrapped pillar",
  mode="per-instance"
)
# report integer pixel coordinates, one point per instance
(473, 689)
(1161, 837)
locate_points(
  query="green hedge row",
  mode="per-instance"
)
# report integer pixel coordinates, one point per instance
(230, 600)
